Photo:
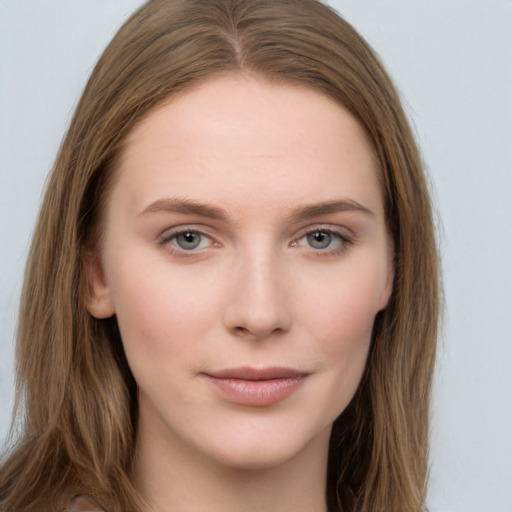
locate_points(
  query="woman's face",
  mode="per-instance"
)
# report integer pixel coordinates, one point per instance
(245, 258)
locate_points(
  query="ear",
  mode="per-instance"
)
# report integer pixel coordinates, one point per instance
(98, 299)
(386, 292)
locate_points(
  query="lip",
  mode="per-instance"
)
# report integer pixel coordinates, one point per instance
(256, 387)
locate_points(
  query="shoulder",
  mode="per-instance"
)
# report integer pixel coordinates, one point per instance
(83, 503)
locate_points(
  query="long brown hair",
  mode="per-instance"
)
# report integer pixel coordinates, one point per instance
(75, 394)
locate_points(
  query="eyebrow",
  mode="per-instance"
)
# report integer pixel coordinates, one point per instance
(191, 207)
(186, 206)
(328, 207)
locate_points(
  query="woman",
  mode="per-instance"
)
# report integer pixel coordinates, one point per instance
(232, 296)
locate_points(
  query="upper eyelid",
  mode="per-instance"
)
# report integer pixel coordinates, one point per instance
(184, 228)
(342, 231)
(343, 239)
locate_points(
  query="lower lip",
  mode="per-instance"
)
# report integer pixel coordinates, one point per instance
(256, 393)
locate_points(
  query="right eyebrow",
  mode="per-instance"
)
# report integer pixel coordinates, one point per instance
(186, 206)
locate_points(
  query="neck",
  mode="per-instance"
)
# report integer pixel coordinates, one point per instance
(174, 477)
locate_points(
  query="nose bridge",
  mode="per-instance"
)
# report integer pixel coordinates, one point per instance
(258, 304)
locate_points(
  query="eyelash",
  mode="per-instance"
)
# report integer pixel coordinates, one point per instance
(343, 241)
(168, 240)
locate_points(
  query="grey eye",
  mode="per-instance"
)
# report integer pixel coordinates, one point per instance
(188, 240)
(319, 239)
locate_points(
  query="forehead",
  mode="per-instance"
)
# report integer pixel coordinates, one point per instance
(246, 137)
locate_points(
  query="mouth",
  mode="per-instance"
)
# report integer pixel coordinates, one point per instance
(256, 387)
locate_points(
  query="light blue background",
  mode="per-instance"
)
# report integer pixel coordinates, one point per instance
(451, 60)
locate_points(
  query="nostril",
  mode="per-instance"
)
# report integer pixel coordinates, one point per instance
(247, 332)
(242, 331)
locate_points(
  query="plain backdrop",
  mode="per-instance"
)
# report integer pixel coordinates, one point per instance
(451, 61)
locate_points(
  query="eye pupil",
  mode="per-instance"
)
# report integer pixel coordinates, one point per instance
(319, 239)
(188, 240)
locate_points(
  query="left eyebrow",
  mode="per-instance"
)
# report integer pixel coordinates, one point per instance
(318, 209)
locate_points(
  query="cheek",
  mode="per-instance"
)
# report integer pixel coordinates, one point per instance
(340, 308)
(160, 313)
(344, 334)
(340, 320)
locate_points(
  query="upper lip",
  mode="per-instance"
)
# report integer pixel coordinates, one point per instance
(250, 373)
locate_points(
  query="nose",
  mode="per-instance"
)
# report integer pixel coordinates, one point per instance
(258, 307)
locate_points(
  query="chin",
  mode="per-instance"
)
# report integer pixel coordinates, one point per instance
(254, 458)
(265, 450)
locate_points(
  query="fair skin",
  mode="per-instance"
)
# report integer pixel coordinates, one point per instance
(245, 257)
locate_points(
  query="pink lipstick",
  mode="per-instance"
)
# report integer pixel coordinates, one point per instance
(257, 387)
